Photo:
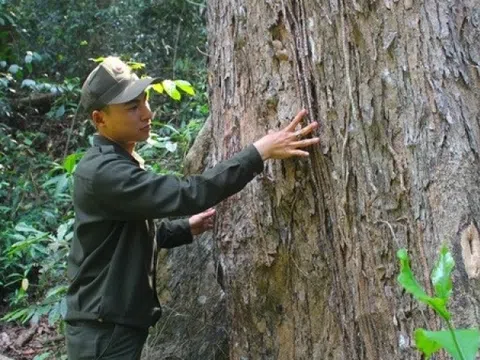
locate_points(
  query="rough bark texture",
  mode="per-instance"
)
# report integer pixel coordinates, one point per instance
(307, 250)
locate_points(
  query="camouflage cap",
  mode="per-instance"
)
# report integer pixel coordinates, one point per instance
(112, 82)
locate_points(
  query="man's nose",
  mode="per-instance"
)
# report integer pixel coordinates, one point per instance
(146, 111)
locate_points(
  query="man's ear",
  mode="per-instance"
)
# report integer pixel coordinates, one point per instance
(97, 118)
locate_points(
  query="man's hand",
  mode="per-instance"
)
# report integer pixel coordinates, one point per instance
(286, 143)
(202, 222)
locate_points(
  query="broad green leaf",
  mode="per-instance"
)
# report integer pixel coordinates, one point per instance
(441, 274)
(37, 56)
(170, 127)
(406, 277)
(171, 89)
(63, 307)
(25, 228)
(14, 68)
(83, 43)
(60, 111)
(29, 83)
(69, 162)
(411, 285)
(425, 344)
(156, 143)
(53, 180)
(61, 231)
(170, 146)
(58, 290)
(468, 341)
(54, 314)
(185, 86)
(158, 88)
(61, 184)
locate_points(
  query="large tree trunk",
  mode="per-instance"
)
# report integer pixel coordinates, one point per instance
(308, 249)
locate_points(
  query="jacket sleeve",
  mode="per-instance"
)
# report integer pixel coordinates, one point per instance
(125, 191)
(174, 233)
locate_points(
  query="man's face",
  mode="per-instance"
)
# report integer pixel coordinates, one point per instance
(125, 123)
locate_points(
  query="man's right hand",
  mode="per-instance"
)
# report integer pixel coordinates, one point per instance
(286, 143)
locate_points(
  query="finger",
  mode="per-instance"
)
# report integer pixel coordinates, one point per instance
(208, 213)
(299, 153)
(306, 130)
(305, 143)
(296, 121)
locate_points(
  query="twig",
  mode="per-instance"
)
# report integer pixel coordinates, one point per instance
(455, 341)
(196, 4)
(176, 47)
(70, 132)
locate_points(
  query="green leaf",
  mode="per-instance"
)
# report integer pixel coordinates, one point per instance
(28, 83)
(430, 341)
(156, 143)
(61, 184)
(17, 314)
(69, 162)
(42, 356)
(158, 88)
(411, 285)
(170, 146)
(171, 89)
(135, 65)
(36, 56)
(425, 344)
(60, 111)
(58, 290)
(14, 68)
(54, 314)
(62, 230)
(28, 58)
(83, 43)
(63, 307)
(185, 86)
(25, 228)
(97, 60)
(441, 274)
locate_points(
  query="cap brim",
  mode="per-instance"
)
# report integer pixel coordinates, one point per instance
(133, 90)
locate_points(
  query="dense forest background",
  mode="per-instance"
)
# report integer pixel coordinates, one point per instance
(46, 50)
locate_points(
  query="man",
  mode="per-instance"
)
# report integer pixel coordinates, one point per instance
(112, 300)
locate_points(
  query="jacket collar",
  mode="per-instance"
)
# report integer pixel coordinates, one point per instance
(99, 140)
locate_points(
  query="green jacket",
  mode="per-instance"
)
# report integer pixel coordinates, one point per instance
(112, 259)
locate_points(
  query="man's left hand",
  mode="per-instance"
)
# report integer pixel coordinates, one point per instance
(202, 222)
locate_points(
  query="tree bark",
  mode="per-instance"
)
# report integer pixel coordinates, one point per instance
(308, 249)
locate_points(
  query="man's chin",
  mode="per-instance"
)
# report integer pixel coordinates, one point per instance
(144, 136)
